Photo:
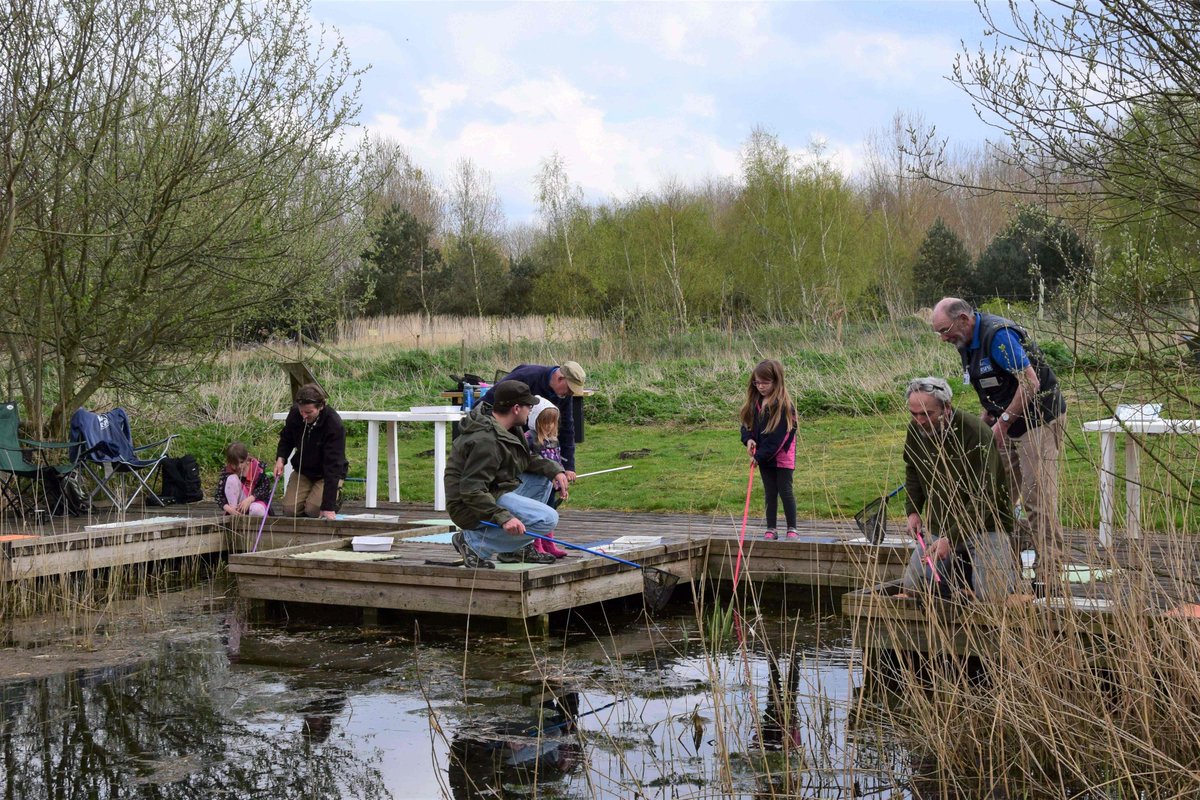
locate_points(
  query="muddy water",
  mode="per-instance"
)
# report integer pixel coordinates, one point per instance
(179, 698)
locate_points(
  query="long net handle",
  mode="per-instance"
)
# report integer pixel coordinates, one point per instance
(737, 567)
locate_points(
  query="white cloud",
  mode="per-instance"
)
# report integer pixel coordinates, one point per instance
(540, 98)
(545, 116)
(699, 105)
(695, 33)
(881, 57)
(439, 97)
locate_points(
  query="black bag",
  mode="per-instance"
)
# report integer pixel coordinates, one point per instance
(474, 380)
(64, 495)
(181, 480)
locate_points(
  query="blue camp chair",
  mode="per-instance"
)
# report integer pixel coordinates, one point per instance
(104, 444)
(29, 477)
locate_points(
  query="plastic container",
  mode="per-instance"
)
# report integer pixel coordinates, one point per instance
(372, 544)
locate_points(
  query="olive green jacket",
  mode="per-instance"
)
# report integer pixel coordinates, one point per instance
(486, 462)
(956, 481)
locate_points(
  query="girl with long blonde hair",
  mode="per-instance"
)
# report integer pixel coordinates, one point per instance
(769, 422)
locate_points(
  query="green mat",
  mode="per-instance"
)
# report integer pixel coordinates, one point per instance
(1081, 573)
(346, 555)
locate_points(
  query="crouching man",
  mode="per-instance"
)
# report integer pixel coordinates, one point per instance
(491, 477)
(957, 498)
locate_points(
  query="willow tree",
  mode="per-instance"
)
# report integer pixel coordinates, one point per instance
(169, 169)
(803, 238)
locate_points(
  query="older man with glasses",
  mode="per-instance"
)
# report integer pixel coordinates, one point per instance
(956, 498)
(1026, 410)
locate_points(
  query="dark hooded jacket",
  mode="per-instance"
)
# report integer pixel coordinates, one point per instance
(486, 462)
(320, 451)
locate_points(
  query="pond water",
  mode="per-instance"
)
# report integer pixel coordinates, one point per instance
(178, 697)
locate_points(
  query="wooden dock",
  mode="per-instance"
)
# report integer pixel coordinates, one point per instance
(1130, 585)
(829, 555)
(416, 577)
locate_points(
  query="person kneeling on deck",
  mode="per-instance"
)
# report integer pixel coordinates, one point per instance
(495, 486)
(316, 433)
(953, 475)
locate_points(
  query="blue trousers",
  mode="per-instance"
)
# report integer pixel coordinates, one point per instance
(526, 504)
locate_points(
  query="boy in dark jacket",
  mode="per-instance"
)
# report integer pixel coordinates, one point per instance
(316, 433)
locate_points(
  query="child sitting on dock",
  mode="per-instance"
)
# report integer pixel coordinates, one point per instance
(242, 488)
(542, 437)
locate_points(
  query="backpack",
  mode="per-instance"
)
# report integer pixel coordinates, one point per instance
(64, 495)
(181, 480)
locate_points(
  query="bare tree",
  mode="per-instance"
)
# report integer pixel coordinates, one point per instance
(560, 202)
(475, 219)
(168, 170)
(1099, 106)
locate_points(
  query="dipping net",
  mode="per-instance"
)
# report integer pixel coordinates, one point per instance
(872, 520)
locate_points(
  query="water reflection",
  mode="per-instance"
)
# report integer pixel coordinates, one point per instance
(515, 757)
(211, 708)
(167, 722)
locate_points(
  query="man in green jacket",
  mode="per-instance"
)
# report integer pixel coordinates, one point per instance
(494, 485)
(956, 497)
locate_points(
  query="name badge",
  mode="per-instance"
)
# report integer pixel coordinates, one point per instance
(989, 383)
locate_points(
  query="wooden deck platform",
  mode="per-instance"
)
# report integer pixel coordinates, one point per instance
(416, 578)
(1132, 584)
(829, 555)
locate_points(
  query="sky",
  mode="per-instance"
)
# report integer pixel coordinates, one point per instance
(632, 95)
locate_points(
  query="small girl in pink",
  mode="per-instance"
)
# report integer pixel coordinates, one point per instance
(242, 488)
(542, 438)
(769, 432)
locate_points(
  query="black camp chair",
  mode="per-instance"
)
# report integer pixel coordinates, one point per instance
(105, 447)
(29, 479)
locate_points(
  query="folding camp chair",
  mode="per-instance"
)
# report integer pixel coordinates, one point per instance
(105, 446)
(27, 464)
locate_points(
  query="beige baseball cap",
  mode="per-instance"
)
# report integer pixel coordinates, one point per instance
(574, 374)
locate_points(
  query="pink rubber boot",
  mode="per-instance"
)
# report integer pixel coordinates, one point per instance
(551, 547)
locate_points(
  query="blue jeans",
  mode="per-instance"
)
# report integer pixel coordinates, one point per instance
(526, 504)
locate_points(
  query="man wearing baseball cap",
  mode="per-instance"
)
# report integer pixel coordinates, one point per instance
(495, 487)
(558, 385)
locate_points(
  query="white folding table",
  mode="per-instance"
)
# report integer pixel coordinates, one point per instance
(1108, 430)
(438, 415)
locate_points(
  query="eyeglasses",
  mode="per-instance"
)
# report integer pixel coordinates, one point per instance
(945, 330)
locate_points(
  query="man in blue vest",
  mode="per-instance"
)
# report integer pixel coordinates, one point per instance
(1026, 411)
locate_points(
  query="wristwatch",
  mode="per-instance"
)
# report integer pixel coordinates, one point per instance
(1006, 417)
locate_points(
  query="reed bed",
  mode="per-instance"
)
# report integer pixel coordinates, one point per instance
(418, 331)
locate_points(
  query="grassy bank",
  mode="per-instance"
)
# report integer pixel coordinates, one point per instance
(668, 405)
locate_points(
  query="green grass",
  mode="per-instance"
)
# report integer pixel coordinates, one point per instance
(842, 463)
(677, 398)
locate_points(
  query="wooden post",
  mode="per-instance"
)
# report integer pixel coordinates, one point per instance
(462, 354)
(537, 626)
(256, 611)
(370, 617)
